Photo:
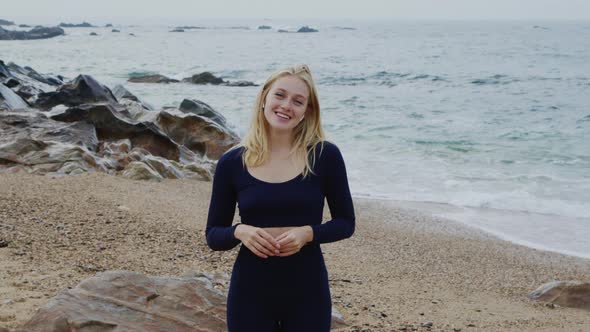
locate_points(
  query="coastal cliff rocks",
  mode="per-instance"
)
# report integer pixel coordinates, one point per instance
(572, 294)
(82, 127)
(35, 33)
(130, 301)
(83, 89)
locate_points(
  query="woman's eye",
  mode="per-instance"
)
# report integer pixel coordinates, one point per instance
(298, 103)
(278, 94)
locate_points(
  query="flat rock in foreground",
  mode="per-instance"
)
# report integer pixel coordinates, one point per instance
(573, 294)
(129, 301)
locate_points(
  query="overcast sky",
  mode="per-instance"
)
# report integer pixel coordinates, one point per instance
(275, 9)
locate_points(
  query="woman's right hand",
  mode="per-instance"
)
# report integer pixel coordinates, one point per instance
(259, 241)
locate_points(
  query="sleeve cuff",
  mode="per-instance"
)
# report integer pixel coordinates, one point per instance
(316, 234)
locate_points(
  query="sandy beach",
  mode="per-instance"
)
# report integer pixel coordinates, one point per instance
(400, 270)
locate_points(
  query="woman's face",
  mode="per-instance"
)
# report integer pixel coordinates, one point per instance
(286, 103)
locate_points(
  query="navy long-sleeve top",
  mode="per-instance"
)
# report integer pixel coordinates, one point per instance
(296, 202)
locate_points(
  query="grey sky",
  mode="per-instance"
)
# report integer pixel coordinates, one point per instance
(410, 9)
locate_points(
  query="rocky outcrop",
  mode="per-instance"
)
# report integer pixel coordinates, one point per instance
(129, 301)
(83, 89)
(5, 22)
(35, 33)
(10, 100)
(572, 294)
(74, 25)
(204, 78)
(157, 78)
(264, 27)
(306, 29)
(208, 78)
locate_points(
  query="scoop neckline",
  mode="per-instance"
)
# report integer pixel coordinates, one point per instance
(266, 182)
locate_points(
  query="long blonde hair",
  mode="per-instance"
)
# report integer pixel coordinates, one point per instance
(307, 135)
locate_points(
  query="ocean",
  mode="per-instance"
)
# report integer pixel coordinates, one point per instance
(483, 122)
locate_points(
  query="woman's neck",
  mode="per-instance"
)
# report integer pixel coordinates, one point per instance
(281, 142)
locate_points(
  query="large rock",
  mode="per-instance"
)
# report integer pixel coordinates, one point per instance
(126, 301)
(572, 294)
(156, 78)
(35, 33)
(10, 100)
(5, 22)
(204, 78)
(122, 94)
(111, 125)
(78, 25)
(83, 89)
(199, 128)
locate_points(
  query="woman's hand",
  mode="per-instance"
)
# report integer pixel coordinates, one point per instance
(293, 240)
(260, 242)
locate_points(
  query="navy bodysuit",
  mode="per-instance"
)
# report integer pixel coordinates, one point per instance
(280, 293)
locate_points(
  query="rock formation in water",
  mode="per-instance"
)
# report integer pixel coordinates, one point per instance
(35, 33)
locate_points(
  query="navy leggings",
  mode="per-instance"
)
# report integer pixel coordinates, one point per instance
(287, 294)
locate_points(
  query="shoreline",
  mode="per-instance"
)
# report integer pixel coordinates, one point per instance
(465, 216)
(400, 268)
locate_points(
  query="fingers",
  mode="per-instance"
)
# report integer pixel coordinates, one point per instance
(285, 240)
(269, 239)
(265, 247)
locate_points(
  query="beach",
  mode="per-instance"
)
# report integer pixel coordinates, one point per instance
(401, 269)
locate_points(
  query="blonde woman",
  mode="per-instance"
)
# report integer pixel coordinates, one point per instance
(279, 176)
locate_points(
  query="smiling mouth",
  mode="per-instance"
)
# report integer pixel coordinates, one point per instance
(284, 116)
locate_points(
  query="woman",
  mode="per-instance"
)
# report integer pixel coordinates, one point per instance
(279, 176)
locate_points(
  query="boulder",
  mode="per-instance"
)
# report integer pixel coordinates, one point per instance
(10, 100)
(122, 94)
(25, 72)
(5, 22)
(264, 27)
(74, 25)
(198, 107)
(137, 170)
(572, 294)
(204, 78)
(111, 125)
(240, 83)
(128, 301)
(83, 89)
(157, 78)
(306, 29)
(198, 133)
(35, 33)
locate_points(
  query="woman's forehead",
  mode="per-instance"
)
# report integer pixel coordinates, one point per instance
(291, 84)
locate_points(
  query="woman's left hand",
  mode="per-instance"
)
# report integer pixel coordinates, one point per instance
(294, 239)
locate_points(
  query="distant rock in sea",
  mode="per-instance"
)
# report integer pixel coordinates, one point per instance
(156, 78)
(93, 34)
(264, 27)
(108, 25)
(203, 78)
(73, 25)
(306, 29)
(177, 30)
(344, 28)
(282, 30)
(5, 22)
(115, 30)
(24, 26)
(132, 34)
(35, 33)
(189, 27)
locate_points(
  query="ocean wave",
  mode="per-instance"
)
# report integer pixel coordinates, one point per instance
(382, 78)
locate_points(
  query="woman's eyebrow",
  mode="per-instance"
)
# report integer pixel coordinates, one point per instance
(296, 94)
